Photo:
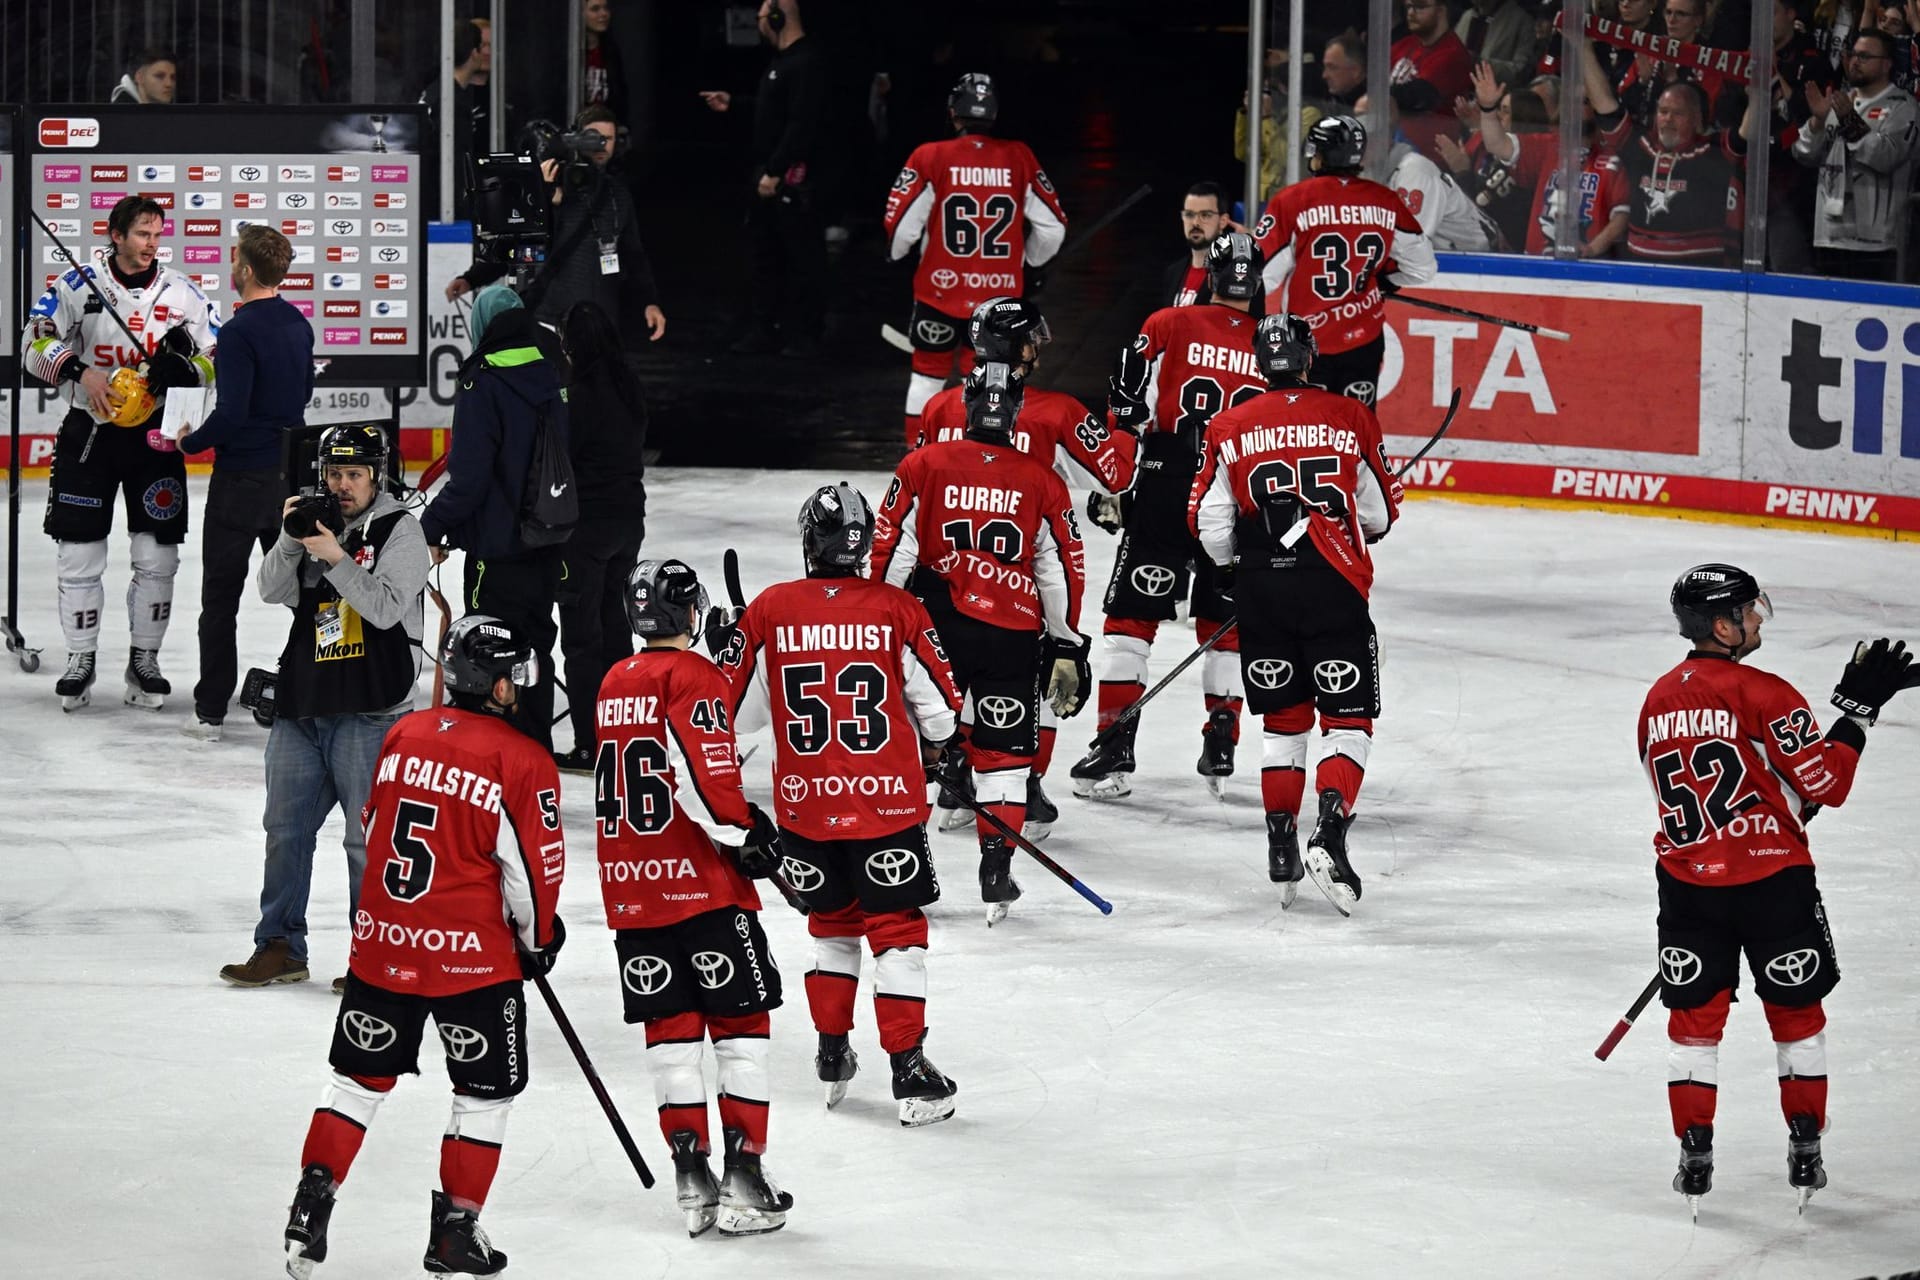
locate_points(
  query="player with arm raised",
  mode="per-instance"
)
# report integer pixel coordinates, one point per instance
(679, 849)
(985, 536)
(1738, 766)
(1330, 240)
(852, 676)
(108, 442)
(986, 221)
(1187, 364)
(1307, 639)
(459, 903)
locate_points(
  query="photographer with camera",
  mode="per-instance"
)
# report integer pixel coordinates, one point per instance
(351, 563)
(264, 371)
(594, 253)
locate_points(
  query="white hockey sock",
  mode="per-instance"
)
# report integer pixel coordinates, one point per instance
(1696, 1063)
(920, 389)
(676, 1073)
(1123, 659)
(1220, 675)
(150, 592)
(1354, 744)
(347, 1097)
(78, 567)
(479, 1119)
(1806, 1059)
(743, 1067)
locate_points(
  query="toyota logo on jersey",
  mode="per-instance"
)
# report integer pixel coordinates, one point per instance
(793, 788)
(1336, 675)
(1153, 580)
(1678, 966)
(1269, 673)
(1795, 967)
(464, 1044)
(362, 924)
(646, 975)
(1002, 712)
(366, 1032)
(892, 866)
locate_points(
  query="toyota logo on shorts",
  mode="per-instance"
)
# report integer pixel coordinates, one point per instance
(1795, 967)
(1678, 966)
(646, 975)
(933, 332)
(1361, 391)
(1269, 673)
(793, 788)
(804, 877)
(366, 1032)
(893, 866)
(1153, 580)
(362, 924)
(1002, 712)
(715, 970)
(1336, 675)
(464, 1044)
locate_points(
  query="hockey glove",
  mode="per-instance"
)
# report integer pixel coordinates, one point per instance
(759, 857)
(1109, 511)
(1036, 281)
(169, 369)
(948, 769)
(1127, 388)
(538, 964)
(1069, 674)
(1876, 672)
(1225, 576)
(722, 629)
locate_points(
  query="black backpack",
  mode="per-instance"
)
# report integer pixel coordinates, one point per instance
(550, 504)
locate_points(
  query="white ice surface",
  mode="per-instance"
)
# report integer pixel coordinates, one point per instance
(1198, 1085)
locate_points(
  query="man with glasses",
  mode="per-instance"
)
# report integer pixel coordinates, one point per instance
(1343, 69)
(1430, 69)
(1641, 87)
(1862, 139)
(1203, 215)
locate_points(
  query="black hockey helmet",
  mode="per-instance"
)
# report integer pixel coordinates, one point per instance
(355, 444)
(1234, 263)
(974, 101)
(480, 650)
(665, 598)
(836, 530)
(1001, 329)
(1284, 347)
(993, 397)
(1336, 144)
(1709, 591)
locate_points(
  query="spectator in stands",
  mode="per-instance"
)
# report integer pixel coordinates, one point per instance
(151, 77)
(1862, 138)
(1641, 88)
(1274, 133)
(1898, 21)
(1448, 217)
(1534, 160)
(1797, 62)
(1343, 69)
(1203, 215)
(1496, 188)
(606, 74)
(1501, 32)
(472, 107)
(1430, 68)
(1639, 15)
(1679, 187)
(1834, 22)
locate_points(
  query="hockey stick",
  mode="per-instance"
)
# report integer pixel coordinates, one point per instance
(593, 1080)
(1621, 1027)
(901, 342)
(730, 570)
(1101, 738)
(1021, 842)
(1292, 536)
(440, 645)
(1558, 335)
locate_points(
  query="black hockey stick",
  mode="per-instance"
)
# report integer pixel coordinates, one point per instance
(1558, 335)
(1625, 1024)
(1022, 843)
(1292, 535)
(593, 1080)
(730, 570)
(1101, 738)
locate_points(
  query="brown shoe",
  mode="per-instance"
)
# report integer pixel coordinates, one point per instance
(340, 985)
(270, 963)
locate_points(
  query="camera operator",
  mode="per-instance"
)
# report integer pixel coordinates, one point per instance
(595, 254)
(263, 368)
(351, 564)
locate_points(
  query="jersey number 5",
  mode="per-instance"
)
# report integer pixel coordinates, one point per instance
(409, 871)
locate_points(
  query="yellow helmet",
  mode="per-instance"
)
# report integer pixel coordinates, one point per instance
(133, 403)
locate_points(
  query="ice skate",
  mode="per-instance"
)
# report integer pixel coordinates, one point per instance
(998, 888)
(1695, 1177)
(953, 814)
(1102, 772)
(1216, 750)
(835, 1063)
(1284, 867)
(694, 1189)
(1805, 1170)
(146, 687)
(1042, 813)
(924, 1093)
(202, 729)
(307, 1221)
(457, 1246)
(76, 686)
(750, 1205)
(1327, 855)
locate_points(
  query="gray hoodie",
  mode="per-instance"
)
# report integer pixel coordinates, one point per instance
(1865, 171)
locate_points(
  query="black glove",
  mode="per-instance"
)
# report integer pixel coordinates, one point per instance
(1036, 281)
(538, 964)
(1224, 578)
(759, 857)
(1069, 674)
(948, 770)
(169, 369)
(1127, 388)
(723, 624)
(1876, 672)
(1109, 512)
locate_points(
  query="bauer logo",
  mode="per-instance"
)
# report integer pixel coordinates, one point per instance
(342, 337)
(70, 131)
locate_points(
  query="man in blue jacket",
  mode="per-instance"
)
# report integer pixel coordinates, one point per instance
(506, 387)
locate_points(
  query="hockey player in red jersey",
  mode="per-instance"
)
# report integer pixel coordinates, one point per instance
(1738, 766)
(1187, 364)
(1054, 428)
(986, 221)
(464, 862)
(1330, 241)
(679, 848)
(1293, 486)
(986, 537)
(852, 676)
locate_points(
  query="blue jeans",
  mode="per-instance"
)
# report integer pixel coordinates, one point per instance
(313, 765)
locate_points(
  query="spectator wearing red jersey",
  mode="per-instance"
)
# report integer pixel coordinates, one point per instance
(1680, 187)
(1430, 68)
(1532, 159)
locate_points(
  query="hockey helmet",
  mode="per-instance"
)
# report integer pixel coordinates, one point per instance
(133, 401)
(993, 397)
(1234, 263)
(1336, 144)
(836, 530)
(1709, 591)
(1001, 329)
(664, 599)
(973, 100)
(480, 650)
(1284, 347)
(355, 444)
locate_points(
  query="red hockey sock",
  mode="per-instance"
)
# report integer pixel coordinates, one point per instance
(1116, 696)
(673, 1056)
(740, 1046)
(1216, 701)
(1693, 1054)
(1691, 1103)
(1342, 774)
(899, 942)
(1044, 756)
(1281, 790)
(1800, 1045)
(470, 1151)
(340, 1123)
(834, 980)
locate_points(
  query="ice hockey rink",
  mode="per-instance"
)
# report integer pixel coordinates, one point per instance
(1199, 1084)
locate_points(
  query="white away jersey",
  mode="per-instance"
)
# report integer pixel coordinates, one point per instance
(68, 323)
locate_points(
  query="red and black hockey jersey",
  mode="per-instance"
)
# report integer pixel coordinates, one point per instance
(1327, 241)
(1201, 360)
(1053, 428)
